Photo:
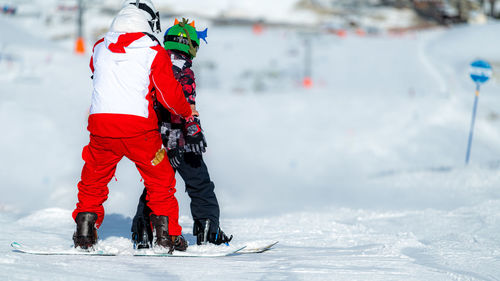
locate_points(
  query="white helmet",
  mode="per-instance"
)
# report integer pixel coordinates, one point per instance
(148, 9)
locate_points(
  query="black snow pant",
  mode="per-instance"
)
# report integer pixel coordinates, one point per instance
(200, 189)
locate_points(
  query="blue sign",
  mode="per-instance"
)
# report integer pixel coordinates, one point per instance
(480, 71)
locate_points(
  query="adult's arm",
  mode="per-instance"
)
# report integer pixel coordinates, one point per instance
(168, 90)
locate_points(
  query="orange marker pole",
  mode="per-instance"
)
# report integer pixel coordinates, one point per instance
(80, 43)
(307, 81)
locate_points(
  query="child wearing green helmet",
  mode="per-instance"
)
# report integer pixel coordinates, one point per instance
(185, 143)
(183, 37)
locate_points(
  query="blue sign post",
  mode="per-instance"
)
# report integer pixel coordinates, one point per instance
(480, 72)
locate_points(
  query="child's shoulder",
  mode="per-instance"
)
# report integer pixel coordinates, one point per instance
(180, 59)
(179, 55)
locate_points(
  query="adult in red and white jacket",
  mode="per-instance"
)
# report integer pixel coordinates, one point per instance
(130, 69)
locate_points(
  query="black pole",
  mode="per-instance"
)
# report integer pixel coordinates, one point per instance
(80, 19)
(307, 57)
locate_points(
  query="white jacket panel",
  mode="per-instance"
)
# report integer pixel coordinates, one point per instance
(121, 80)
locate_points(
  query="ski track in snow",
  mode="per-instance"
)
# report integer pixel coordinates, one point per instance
(360, 178)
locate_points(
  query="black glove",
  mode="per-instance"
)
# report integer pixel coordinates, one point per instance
(174, 156)
(195, 140)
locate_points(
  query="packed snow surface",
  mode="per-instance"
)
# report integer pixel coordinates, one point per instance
(361, 177)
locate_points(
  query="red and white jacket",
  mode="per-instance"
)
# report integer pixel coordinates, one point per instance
(129, 70)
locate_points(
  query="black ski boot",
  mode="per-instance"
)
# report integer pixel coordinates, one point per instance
(142, 235)
(163, 239)
(204, 234)
(85, 235)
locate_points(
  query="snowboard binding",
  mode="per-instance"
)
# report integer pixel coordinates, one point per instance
(204, 234)
(143, 235)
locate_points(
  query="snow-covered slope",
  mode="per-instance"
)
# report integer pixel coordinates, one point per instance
(359, 178)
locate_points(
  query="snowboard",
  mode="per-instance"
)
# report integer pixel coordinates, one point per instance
(209, 251)
(191, 252)
(67, 251)
(257, 249)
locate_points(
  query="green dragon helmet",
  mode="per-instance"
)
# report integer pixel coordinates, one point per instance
(183, 36)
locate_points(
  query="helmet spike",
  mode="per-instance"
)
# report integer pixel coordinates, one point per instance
(192, 24)
(176, 22)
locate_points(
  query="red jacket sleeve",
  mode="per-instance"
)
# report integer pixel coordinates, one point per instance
(92, 63)
(168, 90)
(92, 56)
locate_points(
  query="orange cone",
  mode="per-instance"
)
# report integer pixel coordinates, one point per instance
(257, 29)
(307, 82)
(80, 46)
(341, 33)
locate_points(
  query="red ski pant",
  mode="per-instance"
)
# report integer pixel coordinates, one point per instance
(102, 155)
